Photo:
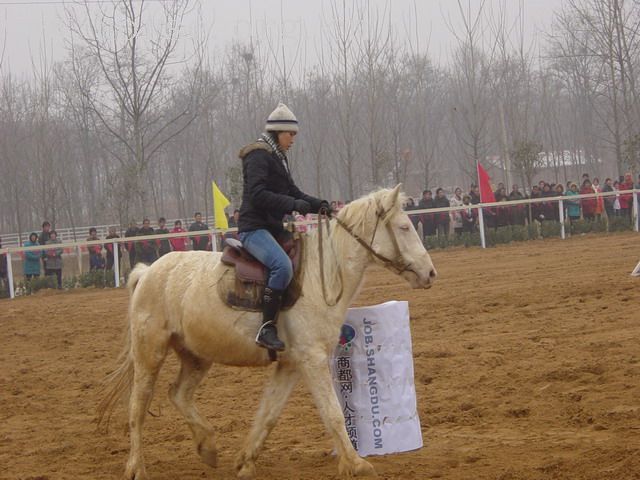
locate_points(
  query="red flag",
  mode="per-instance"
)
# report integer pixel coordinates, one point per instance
(486, 193)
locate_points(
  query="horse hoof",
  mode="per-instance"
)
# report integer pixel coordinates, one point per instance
(208, 453)
(364, 469)
(135, 474)
(247, 471)
(357, 468)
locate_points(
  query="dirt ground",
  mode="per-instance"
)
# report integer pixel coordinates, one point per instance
(526, 360)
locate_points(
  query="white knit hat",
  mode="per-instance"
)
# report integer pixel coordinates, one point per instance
(282, 120)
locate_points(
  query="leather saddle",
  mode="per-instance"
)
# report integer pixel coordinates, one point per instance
(242, 284)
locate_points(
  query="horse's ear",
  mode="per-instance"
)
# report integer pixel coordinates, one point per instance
(391, 198)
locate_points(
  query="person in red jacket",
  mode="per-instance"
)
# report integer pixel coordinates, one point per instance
(589, 205)
(626, 199)
(179, 244)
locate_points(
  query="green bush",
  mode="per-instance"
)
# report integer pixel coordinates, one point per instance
(521, 233)
(4, 289)
(463, 239)
(550, 228)
(69, 282)
(599, 225)
(579, 227)
(620, 224)
(434, 241)
(500, 235)
(97, 279)
(468, 239)
(32, 286)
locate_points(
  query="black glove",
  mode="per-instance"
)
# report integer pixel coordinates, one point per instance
(325, 207)
(301, 206)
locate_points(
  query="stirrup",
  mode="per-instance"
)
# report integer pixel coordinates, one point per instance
(269, 322)
(270, 346)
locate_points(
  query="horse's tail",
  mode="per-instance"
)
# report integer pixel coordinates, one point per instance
(135, 276)
(118, 383)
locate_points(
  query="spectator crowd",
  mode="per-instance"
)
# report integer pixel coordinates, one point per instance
(48, 259)
(464, 220)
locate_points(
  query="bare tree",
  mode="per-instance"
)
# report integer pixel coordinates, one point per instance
(16, 186)
(135, 57)
(129, 125)
(471, 93)
(343, 25)
(603, 38)
(373, 41)
(527, 159)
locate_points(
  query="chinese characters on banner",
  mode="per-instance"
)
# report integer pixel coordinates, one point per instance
(345, 380)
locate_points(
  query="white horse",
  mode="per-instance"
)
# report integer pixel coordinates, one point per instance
(174, 304)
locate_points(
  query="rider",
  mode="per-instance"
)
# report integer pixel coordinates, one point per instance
(269, 193)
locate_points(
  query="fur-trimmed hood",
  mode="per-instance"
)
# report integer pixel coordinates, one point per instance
(259, 145)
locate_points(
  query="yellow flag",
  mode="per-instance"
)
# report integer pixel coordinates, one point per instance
(220, 202)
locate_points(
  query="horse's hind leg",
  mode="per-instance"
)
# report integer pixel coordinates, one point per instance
(192, 371)
(149, 349)
(274, 398)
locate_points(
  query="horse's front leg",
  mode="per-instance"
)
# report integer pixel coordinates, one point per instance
(274, 398)
(317, 376)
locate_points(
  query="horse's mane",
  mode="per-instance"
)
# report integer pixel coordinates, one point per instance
(356, 214)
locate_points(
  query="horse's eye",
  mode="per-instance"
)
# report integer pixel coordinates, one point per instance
(404, 227)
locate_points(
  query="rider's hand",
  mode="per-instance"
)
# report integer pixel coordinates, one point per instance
(325, 207)
(301, 206)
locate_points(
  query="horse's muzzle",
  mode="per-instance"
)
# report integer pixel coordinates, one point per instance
(419, 279)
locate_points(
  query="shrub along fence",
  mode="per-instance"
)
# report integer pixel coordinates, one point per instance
(484, 236)
(535, 230)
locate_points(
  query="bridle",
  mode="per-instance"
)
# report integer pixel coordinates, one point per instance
(398, 264)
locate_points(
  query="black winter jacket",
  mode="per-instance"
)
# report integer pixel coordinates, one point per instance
(268, 190)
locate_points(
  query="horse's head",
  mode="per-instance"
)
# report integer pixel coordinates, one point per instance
(381, 226)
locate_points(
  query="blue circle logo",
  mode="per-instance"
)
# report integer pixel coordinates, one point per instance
(347, 335)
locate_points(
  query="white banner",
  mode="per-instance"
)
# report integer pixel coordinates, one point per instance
(372, 370)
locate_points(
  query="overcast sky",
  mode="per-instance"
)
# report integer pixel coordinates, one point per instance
(29, 25)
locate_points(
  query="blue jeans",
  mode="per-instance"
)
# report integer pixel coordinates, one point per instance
(262, 245)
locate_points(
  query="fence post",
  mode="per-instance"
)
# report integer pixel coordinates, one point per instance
(635, 211)
(214, 241)
(116, 263)
(12, 292)
(483, 243)
(561, 217)
(79, 254)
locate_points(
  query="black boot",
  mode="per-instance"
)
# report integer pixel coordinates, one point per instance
(268, 334)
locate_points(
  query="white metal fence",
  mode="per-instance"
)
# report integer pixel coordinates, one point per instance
(71, 234)
(215, 235)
